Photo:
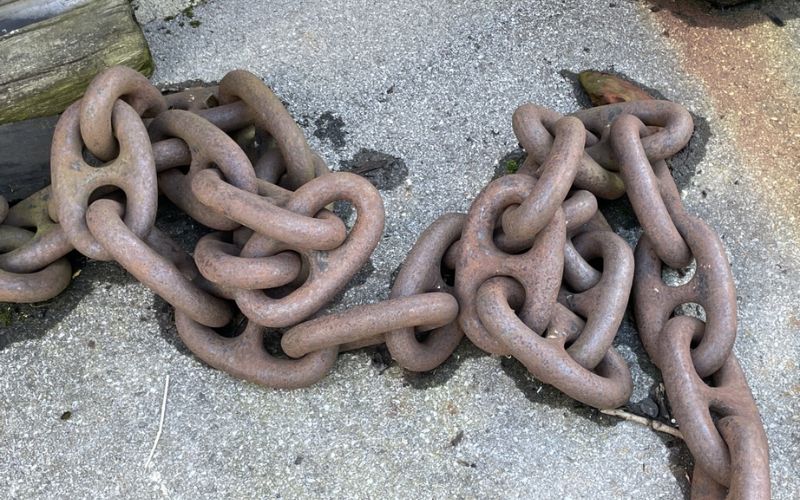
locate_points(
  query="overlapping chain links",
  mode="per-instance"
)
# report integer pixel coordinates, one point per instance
(538, 272)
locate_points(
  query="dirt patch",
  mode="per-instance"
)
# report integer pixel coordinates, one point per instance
(330, 128)
(384, 171)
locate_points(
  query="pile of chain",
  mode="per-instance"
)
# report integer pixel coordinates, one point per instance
(538, 272)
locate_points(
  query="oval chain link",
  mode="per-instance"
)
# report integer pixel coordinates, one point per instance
(75, 181)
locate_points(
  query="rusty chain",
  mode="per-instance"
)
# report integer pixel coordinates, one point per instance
(538, 272)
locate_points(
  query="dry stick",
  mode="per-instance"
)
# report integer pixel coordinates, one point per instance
(160, 423)
(653, 424)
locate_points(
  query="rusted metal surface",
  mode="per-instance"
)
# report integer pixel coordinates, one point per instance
(99, 101)
(143, 261)
(48, 244)
(209, 146)
(538, 272)
(34, 286)
(422, 272)
(270, 116)
(75, 181)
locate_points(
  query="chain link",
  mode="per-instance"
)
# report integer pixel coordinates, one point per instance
(538, 272)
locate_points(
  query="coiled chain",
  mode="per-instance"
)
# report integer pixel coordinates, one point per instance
(538, 272)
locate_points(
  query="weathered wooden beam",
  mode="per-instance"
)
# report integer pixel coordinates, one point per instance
(46, 65)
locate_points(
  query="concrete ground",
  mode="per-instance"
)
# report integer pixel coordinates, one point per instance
(432, 84)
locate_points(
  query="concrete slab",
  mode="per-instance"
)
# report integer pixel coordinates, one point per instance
(433, 84)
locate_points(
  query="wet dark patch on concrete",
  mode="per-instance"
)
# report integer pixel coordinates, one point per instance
(330, 128)
(384, 171)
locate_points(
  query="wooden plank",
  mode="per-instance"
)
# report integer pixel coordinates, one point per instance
(25, 158)
(48, 64)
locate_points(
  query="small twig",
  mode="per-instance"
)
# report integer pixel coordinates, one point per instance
(369, 167)
(653, 424)
(160, 423)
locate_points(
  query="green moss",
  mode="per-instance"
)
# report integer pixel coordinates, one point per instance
(512, 166)
(189, 11)
(194, 23)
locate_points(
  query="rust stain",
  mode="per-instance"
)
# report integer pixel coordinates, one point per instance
(749, 66)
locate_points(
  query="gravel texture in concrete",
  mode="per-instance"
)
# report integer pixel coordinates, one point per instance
(429, 87)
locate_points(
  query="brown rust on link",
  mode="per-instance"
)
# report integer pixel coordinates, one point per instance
(74, 180)
(749, 464)
(209, 147)
(609, 385)
(43, 284)
(538, 269)
(675, 126)
(98, 103)
(171, 251)
(580, 211)
(245, 356)
(711, 286)
(422, 272)
(427, 310)
(220, 263)
(264, 217)
(329, 271)
(271, 167)
(49, 244)
(270, 115)
(693, 401)
(148, 266)
(643, 190)
(522, 223)
(534, 127)
(604, 304)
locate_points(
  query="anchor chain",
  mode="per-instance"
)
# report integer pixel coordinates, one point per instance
(532, 270)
